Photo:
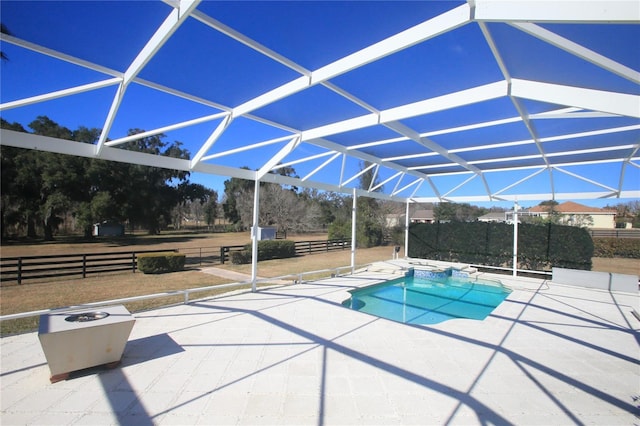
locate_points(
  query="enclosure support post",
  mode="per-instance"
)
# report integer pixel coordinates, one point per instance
(254, 235)
(515, 239)
(353, 231)
(406, 231)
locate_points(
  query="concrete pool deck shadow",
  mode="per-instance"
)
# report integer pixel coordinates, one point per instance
(549, 354)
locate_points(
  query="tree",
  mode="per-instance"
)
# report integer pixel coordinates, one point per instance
(332, 206)
(150, 195)
(48, 183)
(39, 189)
(628, 212)
(191, 196)
(11, 210)
(287, 171)
(234, 189)
(553, 215)
(282, 208)
(210, 210)
(459, 212)
(370, 219)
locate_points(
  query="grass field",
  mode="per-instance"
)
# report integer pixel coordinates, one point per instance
(74, 291)
(33, 296)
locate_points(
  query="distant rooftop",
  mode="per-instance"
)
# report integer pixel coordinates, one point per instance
(570, 207)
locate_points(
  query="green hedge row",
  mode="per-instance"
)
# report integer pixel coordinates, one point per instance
(267, 250)
(158, 263)
(616, 247)
(540, 247)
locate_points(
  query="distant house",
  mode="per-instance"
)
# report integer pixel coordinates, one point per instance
(500, 217)
(575, 214)
(422, 216)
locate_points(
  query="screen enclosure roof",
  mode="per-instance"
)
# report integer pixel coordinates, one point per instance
(476, 101)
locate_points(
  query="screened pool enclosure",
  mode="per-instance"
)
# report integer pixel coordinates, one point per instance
(477, 101)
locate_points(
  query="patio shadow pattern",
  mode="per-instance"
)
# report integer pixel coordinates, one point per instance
(549, 354)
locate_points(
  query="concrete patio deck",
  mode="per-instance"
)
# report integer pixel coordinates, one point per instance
(549, 354)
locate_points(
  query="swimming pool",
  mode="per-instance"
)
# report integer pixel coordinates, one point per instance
(418, 300)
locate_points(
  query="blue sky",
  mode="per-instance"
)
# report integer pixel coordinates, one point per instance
(198, 60)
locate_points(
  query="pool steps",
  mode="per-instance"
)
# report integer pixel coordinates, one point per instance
(408, 266)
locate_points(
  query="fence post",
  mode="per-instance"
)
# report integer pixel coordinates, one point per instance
(133, 262)
(84, 266)
(222, 252)
(19, 270)
(200, 256)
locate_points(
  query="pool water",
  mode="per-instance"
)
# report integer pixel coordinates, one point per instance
(414, 300)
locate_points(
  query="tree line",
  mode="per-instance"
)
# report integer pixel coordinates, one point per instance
(41, 189)
(291, 209)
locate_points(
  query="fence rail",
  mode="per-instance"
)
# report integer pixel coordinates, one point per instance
(292, 278)
(63, 265)
(309, 247)
(302, 247)
(614, 233)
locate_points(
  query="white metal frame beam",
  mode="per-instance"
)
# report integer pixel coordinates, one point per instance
(245, 148)
(412, 36)
(278, 157)
(593, 11)
(521, 14)
(579, 51)
(609, 102)
(164, 129)
(104, 70)
(176, 17)
(213, 137)
(439, 103)
(60, 93)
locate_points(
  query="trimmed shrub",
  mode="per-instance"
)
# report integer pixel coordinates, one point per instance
(273, 249)
(628, 248)
(158, 263)
(240, 257)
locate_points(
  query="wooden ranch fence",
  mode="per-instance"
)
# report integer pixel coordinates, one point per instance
(302, 247)
(63, 265)
(23, 268)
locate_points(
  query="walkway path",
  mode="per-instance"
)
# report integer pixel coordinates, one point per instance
(237, 276)
(224, 273)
